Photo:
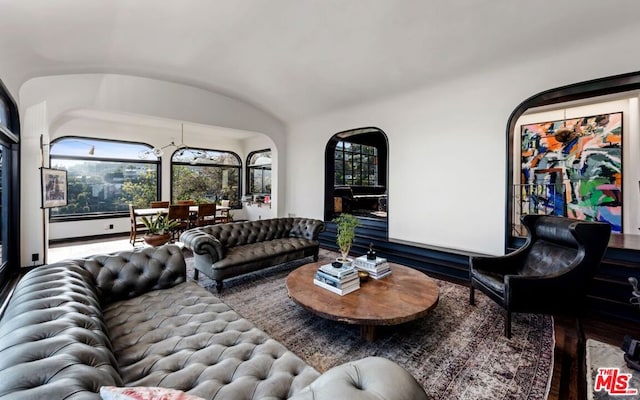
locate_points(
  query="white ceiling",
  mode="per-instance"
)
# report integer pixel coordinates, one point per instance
(294, 58)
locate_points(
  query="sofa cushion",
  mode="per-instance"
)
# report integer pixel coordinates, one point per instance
(263, 251)
(184, 338)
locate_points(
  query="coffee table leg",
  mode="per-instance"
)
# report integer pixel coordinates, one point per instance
(368, 332)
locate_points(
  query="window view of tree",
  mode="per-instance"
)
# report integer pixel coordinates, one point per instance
(205, 176)
(356, 164)
(259, 172)
(103, 177)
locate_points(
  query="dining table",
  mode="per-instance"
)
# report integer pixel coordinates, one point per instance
(139, 212)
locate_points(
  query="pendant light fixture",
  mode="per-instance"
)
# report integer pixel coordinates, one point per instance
(159, 151)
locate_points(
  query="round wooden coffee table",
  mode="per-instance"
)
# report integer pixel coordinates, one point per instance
(405, 295)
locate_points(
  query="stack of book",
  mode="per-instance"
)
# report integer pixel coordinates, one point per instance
(378, 268)
(337, 280)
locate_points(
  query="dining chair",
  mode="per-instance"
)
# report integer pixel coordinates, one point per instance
(206, 214)
(222, 215)
(179, 213)
(159, 204)
(137, 227)
(186, 202)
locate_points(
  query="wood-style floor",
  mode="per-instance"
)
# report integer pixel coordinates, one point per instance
(568, 382)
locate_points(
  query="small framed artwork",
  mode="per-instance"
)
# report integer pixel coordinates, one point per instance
(54, 187)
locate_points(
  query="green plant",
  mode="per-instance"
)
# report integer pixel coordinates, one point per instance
(346, 225)
(159, 225)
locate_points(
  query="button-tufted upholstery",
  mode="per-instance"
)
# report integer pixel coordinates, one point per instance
(226, 250)
(131, 319)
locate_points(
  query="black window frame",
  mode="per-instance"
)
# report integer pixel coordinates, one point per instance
(250, 168)
(233, 205)
(362, 168)
(103, 215)
(10, 193)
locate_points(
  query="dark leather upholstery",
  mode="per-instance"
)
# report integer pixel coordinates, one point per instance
(549, 274)
(226, 250)
(131, 319)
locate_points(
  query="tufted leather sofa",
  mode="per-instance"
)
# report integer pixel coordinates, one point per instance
(132, 319)
(226, 250)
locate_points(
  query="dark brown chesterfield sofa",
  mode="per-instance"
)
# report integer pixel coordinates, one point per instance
(227, 250)
(132, 319)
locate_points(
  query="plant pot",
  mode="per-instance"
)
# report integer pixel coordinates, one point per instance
(346, 262)
(156, 240)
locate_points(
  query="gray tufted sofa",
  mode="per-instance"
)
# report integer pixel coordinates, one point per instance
(226, 250)
(132, 319)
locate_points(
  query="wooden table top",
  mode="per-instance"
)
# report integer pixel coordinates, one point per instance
(405, 295)
(161, 210)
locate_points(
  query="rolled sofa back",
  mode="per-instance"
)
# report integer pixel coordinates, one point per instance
(128, 274)
(241, 233)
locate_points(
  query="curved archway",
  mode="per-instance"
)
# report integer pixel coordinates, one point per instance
(578, 91)
(356, 174)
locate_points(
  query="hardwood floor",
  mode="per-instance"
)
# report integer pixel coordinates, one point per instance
(568, 382)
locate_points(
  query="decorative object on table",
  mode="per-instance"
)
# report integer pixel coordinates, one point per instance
(377, 268)
(158, 229)
(54, 187)
(371, 254)
(346, 231)
(341, 280)
(363, 275)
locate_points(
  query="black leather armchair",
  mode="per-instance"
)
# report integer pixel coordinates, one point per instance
(549, 274)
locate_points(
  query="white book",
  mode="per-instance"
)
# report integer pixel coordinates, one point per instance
(337, 272)
(380, 276)
(363, 260)
(335, 290)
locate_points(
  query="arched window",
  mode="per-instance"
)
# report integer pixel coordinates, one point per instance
(205, 176)
(104, 176)
(259, 174)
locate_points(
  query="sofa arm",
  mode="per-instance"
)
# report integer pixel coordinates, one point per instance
(128, 274)
(371, 378)
(306, 228)
(200, 241)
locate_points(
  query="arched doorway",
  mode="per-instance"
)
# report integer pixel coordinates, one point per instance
(356, 175)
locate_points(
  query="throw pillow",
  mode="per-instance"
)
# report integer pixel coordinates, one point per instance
(143, 393)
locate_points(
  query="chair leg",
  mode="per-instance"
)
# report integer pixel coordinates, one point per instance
(472, 295)
(219, 285)
(507, 324)
(196, 274)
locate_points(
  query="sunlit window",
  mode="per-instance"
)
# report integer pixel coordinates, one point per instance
(259, 172)
(205, 176)
(356, 164)
(104, 176)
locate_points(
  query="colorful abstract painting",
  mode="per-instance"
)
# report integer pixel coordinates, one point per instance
(579, 162)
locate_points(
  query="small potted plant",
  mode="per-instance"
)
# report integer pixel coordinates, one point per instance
(346, 225)
(158, 229)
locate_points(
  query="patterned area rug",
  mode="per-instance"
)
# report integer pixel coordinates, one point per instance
(458, 351)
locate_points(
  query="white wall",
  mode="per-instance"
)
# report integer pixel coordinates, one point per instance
(447, 144)
(59, 106)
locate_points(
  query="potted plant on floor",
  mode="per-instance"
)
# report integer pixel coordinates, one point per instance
(158, 229)
(346, 226)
